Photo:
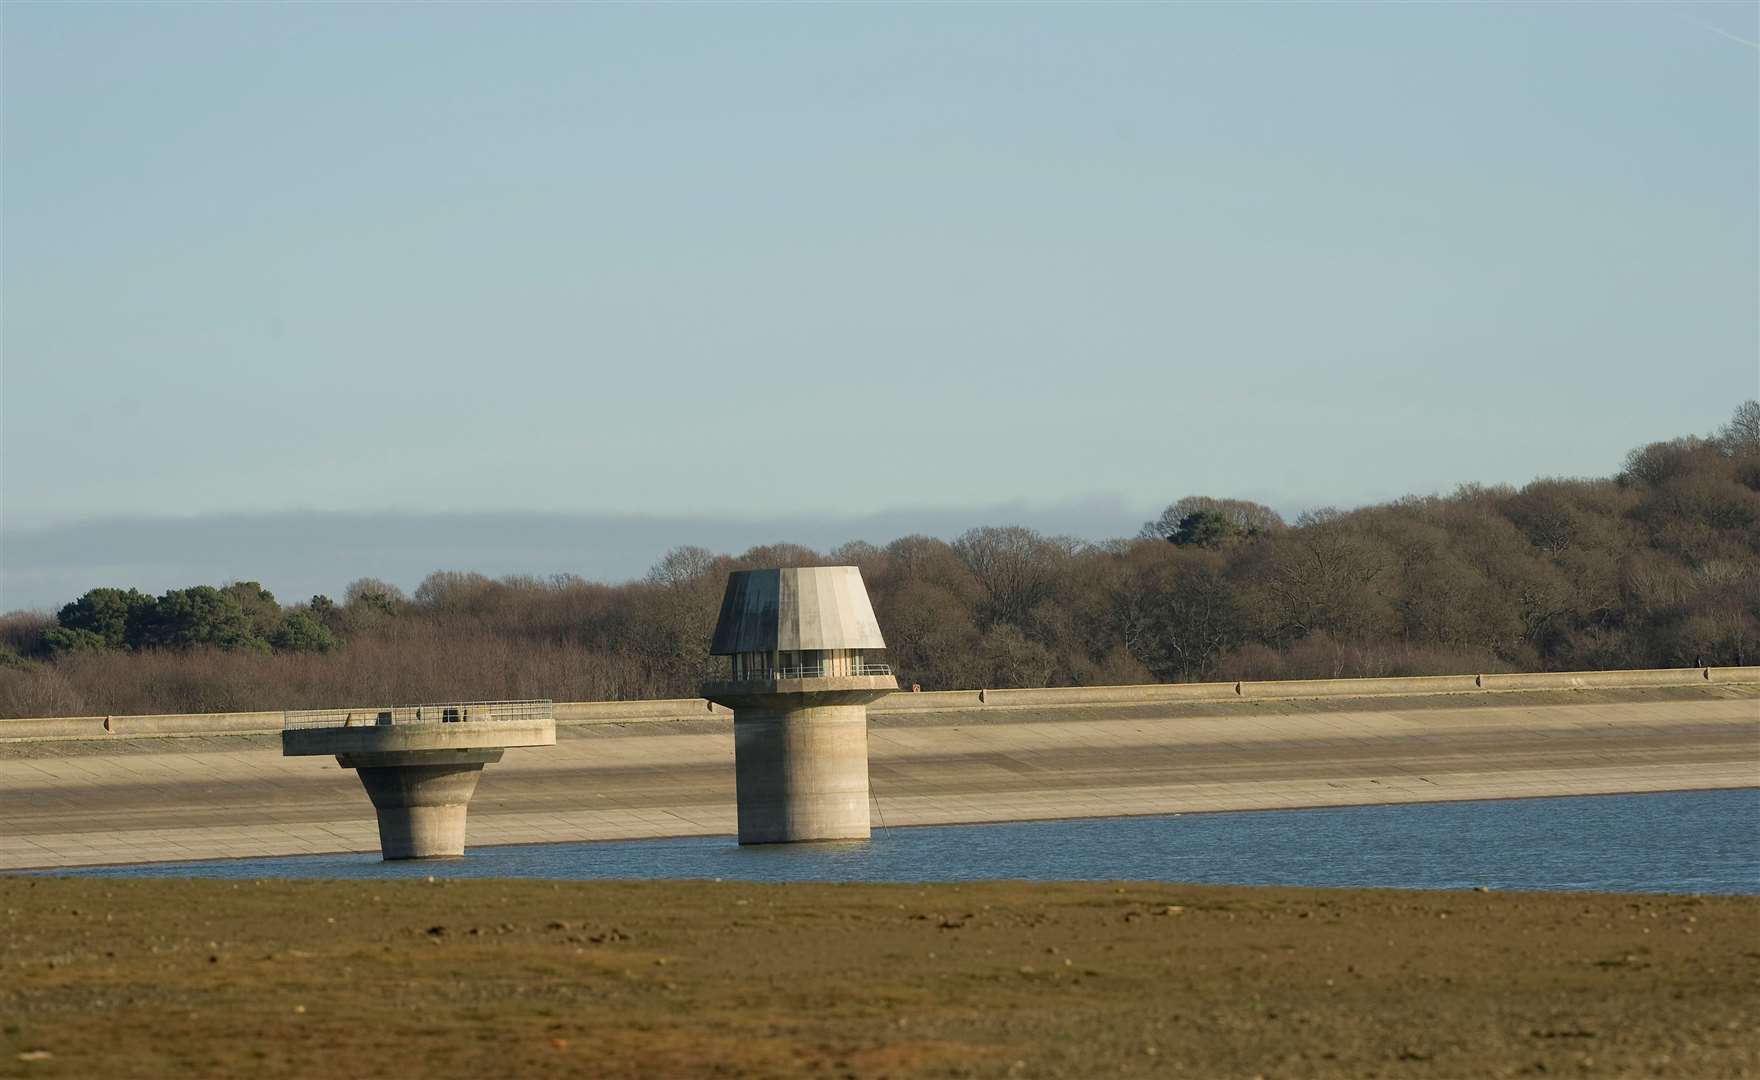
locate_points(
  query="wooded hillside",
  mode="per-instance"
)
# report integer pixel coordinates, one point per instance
(1657, 566)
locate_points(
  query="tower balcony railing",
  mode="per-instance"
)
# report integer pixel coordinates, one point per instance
(448, 712)
(809, 671)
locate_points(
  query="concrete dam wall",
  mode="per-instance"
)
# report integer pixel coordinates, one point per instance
(91, 790)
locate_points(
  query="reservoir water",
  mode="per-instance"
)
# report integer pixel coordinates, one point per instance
(1686, 842)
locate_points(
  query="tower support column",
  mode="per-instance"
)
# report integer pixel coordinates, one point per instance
(801, 774)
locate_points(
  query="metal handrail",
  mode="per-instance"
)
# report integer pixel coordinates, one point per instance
(812, 671)
(445, 712)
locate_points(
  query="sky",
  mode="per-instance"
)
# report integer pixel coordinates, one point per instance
(851, 264)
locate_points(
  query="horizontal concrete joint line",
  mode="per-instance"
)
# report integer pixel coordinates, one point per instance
(33, 729)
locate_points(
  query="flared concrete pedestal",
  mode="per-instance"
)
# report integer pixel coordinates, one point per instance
(801, 755)
(421, 807)
(420, 776)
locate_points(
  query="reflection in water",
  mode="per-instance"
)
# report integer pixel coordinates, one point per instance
(1702, 841)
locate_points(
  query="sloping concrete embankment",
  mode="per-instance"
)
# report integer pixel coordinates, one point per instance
(88, 790)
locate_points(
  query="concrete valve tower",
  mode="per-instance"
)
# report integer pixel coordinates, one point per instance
(420, 763)
(799, 685)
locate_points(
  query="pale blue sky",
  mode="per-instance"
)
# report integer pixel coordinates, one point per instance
(781, 260)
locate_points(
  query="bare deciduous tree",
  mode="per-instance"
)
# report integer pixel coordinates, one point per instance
(1017, 568)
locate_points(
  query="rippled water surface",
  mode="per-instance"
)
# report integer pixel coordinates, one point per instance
(1702, 841)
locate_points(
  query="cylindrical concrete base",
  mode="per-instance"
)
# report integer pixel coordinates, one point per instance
(421, 807)
(802, 774)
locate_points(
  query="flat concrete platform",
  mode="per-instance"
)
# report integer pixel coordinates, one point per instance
(418, 739)
(84, 802)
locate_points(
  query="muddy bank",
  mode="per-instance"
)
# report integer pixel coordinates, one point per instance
(643, 979)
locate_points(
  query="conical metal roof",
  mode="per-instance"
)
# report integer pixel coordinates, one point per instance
(805, 607)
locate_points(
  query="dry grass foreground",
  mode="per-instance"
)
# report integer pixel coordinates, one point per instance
(108, 978)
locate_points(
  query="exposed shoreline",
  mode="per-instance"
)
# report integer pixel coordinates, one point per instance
(1043, 755)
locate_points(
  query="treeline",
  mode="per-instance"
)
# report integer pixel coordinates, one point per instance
(1658, 566)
